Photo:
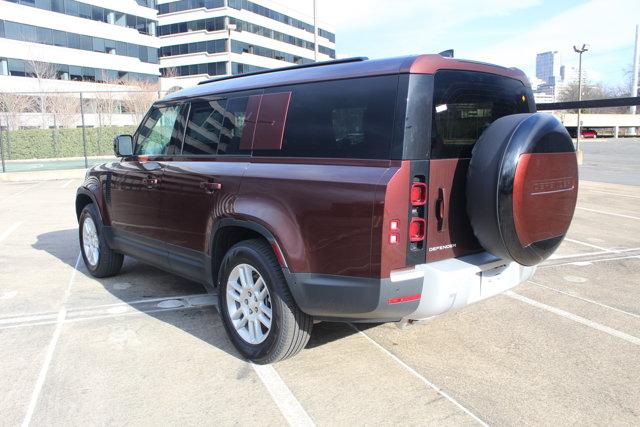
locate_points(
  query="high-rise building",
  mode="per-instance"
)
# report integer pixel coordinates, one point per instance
(76, 45)
(549, 67)
(207, 38)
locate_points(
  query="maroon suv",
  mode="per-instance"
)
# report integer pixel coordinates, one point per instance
(356, 190)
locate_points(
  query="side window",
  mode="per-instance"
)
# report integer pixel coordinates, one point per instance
(340, 119)
(233, 139)
(203, 127)
(160, 133)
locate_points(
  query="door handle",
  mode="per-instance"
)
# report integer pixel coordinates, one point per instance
(210, 186)
(440, 209)
(151, 182)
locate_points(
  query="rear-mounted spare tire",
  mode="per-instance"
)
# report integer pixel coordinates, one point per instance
(522, 187)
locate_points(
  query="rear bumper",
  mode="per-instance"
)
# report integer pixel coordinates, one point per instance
(457, 282)
(441, 286)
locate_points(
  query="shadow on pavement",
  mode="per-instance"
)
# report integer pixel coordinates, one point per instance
(138, 281)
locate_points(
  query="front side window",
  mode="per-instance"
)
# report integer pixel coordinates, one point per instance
(160, 132)
(465, 103)
(203, 127)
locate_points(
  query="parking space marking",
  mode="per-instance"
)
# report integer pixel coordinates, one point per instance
(420, 376)
(62, 314)
(109, 310)
(10, 230)
(66, 184)
(289, 406)
(608, 213)
(578, 319)
(578, 262)
(10, 196)
(588, 245)
(614, 194)
(637, 316)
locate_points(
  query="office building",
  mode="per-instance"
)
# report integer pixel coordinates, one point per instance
(68, 45)
(549, 67)
(201, 39)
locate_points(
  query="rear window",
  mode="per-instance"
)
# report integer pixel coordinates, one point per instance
(465, 103)
(340, 119)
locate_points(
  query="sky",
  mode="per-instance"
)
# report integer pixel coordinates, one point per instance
(504, 32)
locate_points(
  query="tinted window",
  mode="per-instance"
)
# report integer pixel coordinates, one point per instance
(233, 126)
(340, 119)
(160, 132)
(203, 127)
(466, 103)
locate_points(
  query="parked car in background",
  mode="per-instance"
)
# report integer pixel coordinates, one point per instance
(584, 133)
(357, 190)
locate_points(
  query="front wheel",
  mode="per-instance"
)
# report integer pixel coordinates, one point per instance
(98, 257)
(258, 311)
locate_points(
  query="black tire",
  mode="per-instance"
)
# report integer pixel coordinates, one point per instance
(522, 187)
(109, 262)
(290, 328)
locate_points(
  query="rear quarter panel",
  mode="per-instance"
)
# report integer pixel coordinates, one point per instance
(321, 214)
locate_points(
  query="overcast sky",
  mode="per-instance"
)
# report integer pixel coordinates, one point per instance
(506, 32)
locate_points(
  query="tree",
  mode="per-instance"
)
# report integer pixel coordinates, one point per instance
(42, 71)
(138, 101)
(12, 106)
(589, 91)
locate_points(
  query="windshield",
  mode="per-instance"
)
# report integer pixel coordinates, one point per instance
(465, 103)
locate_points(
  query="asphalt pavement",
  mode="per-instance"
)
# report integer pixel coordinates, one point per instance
(146, 347)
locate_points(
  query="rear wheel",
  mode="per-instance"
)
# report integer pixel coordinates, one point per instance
(258, 311)
(98, 257)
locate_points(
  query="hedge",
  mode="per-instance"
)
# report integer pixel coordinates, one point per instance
(55, 143)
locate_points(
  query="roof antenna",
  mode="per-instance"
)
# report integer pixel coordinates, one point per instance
(447, 53)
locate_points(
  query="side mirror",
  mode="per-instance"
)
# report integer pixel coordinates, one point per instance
(123, 145)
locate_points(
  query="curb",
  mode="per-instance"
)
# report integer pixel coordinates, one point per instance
(48, 175)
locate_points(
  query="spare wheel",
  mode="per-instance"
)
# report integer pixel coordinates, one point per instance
(522, 187)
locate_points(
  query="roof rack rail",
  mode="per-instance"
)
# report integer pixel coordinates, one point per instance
(291, 67)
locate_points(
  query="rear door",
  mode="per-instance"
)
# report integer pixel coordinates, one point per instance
(465, 103)
(200, 186)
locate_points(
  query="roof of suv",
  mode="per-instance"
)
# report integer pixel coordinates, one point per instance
(419, 64)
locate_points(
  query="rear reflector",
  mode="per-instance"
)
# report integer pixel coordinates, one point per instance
(417, 229)
(406, 298)
(418, 194)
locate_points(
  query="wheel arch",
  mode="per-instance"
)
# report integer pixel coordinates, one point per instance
(229, 231)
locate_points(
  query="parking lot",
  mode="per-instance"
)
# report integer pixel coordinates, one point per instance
(146, 347)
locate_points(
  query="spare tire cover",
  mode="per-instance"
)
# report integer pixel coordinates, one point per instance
(522, 187)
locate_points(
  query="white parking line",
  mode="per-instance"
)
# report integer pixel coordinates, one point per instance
(614, 194)
(66, 184)
(62, 314)
(10, 196)
(608, 213)
(590, 323)
(420, 376)
(588, 245)
(10, 230)
(289, 406)
(578, 262)
(637, 316)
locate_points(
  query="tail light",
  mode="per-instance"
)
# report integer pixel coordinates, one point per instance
(394, 229)
(417, 230)
(418, 194)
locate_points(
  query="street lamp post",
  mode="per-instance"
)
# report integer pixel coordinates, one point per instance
(315, 31)
(579, 51)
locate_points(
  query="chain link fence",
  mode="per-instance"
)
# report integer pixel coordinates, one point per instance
(64, 130)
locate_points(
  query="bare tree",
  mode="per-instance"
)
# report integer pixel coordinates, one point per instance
(12, 106)
(65, 110)
(589, 91)
(138, 101)
(42, 71)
